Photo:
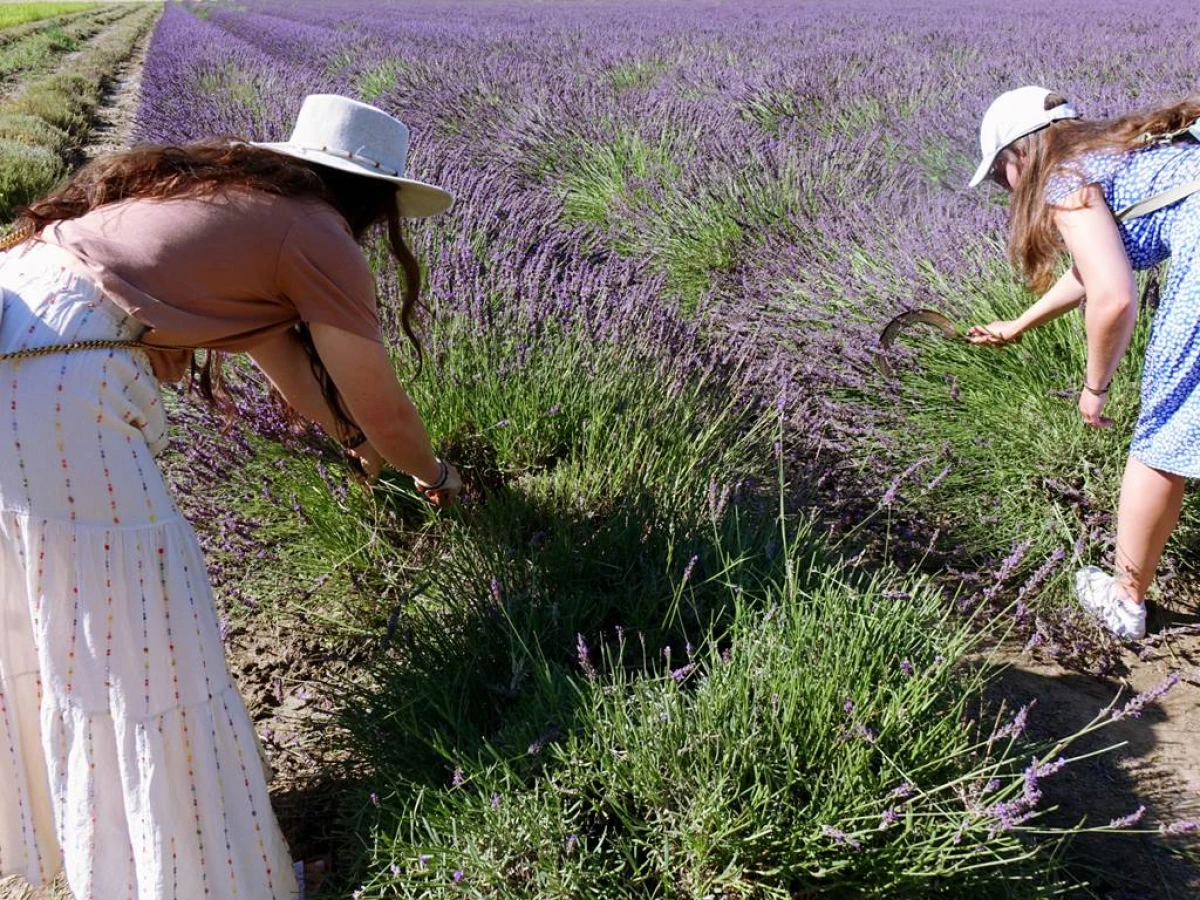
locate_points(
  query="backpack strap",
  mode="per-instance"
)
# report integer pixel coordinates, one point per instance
(1158, 201)
(1177, 193)
(1192, 131)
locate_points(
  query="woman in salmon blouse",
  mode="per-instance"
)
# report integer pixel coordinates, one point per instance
(127, 756)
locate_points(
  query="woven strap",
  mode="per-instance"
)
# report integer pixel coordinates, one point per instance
(76, 346)
(1158, 201)
(22, 234)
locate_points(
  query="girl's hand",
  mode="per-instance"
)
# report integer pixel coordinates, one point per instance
(1090, 406)
(447, 493)
(369, 461)
(995, 334)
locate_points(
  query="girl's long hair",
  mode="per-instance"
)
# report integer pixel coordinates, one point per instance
(154, 171)
(1034, 244)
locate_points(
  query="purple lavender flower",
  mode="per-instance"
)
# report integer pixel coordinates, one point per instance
(840, 837)
(584, 656)
(1134, 708)
(687, 572)
(1187, 826)
(1016, 726)
(1130, 820)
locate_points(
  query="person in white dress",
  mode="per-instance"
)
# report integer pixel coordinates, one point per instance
(127, 757)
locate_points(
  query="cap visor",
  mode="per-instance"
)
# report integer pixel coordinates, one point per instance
(982, 172)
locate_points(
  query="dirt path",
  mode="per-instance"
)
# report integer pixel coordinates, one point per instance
(118, 107)
(1158, 767)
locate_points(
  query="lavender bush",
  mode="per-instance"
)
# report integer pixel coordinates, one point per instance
(653, 326)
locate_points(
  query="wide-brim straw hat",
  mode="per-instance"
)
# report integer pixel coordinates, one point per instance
(341, 133)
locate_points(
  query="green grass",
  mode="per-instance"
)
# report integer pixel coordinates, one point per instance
(760, 755)
(636, 74)
(617, 187)
(25, 171)
(48, 119)
(19, 13)
(373, 83)
(1023, 467)
(38, 50)
(226, 80)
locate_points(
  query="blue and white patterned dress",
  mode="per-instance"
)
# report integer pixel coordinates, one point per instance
(1167, 435)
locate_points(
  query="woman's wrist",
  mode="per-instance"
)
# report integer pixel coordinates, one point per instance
(441, 474)
(1097, 392)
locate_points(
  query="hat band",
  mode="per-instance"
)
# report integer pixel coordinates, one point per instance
(354, 157)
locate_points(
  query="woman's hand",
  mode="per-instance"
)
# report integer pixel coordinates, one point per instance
(448, 492)
(1090, 406)
(995, 334)
(369, 461)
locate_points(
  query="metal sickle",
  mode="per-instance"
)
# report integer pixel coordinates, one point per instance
(902, 321)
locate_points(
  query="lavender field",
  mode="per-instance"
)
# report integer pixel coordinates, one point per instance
(708, 620)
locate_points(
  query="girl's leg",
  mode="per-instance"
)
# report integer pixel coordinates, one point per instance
(1149, 511)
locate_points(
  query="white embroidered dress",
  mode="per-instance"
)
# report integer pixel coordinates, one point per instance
(126, 753)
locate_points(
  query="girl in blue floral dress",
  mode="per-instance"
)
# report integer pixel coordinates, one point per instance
(1071, 180)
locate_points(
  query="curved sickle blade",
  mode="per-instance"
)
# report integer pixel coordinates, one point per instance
(902, 321)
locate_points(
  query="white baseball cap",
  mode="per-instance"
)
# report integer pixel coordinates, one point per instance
(1013, 115)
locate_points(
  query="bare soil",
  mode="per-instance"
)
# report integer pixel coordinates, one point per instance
(114, 118)
(1155, 763)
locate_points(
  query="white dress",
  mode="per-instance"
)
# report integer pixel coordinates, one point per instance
(127, 757)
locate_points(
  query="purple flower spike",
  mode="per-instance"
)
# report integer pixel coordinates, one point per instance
(840, 837)
(1134, 708)
(1130, 820)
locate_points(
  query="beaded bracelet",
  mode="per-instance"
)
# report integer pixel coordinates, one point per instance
(443, 477)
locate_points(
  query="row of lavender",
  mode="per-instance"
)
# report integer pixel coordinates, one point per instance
(740, 194)
(780, 179)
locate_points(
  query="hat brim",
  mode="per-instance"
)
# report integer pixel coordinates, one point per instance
(984, 167)
(417, 200)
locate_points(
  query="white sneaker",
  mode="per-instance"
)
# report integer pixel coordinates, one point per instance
(1102, 597)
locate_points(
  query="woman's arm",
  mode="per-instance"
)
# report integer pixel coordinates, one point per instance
(363, 373)
(283, 360)
(286, 364)
(1091, 235)
(1063, 296)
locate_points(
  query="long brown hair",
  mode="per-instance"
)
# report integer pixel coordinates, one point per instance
(1034, 245)
(154, 171)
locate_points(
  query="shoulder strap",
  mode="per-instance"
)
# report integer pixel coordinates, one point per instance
(1158, 201)
(1192, 131)
(1177, 193)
